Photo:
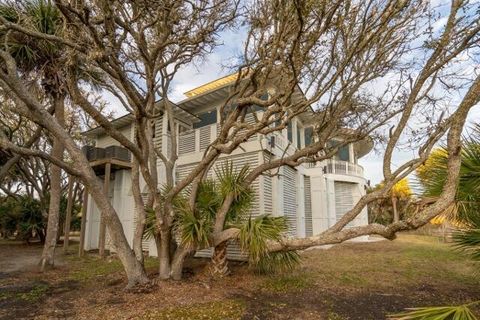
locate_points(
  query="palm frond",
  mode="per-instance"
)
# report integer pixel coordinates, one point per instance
(277, 262)
(255, 233)
(150, 224)
(461, 312)
(194, 230)
(468, 240)
(232, 180)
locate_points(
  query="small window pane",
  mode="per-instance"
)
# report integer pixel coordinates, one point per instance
(289, 132)
(308, 136)
(299, 138)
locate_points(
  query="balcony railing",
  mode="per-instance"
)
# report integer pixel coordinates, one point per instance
(342, 167)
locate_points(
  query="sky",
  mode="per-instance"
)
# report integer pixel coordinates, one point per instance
(214, 66)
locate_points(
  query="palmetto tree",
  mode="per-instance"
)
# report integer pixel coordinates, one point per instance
(465, 210)
(42, 62)
(194, 227)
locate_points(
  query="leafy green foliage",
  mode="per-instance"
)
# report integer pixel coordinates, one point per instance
(32, 54)
(461, 312)
(21, 216)
(195, 227)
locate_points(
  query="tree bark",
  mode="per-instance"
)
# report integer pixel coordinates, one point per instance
(103, 227)
(219, 263)
(164, 255)
(68, 215)
(396, 215)
(47, 259)
(81, 246)
(177, 262)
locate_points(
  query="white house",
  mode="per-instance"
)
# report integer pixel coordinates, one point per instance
(311, 196)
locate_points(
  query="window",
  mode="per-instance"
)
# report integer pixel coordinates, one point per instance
(299, 138)
(206, 119)
(343, 153)
(308, 136)
(289, 131)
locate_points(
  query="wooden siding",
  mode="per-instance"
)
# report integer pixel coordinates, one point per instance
(290, 199)
(158, 133)
(186, 142)
(205, 140)
(267, 188)
(344, 192)
(308, 206)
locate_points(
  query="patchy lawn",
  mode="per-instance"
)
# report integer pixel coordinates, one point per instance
(348, 281)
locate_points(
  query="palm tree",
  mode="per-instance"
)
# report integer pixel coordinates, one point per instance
(194, 227)
(43, 61)
(465, 210)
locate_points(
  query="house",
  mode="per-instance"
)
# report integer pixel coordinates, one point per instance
(311, 196)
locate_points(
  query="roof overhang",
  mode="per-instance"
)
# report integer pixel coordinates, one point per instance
(117, 123)
(121, 122)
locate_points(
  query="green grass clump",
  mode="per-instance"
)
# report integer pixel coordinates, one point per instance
(288, 282)
(216, 310)
(33, 295)
(90, 268)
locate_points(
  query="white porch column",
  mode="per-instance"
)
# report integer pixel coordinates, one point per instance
(319, 201)
(331, 214)
(351, 155)
(300, 206)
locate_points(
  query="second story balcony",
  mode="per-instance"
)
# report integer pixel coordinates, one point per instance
(341, 167)
(115, 157)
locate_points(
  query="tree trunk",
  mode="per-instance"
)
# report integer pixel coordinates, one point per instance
(164, 255)
(396, 216)
(68, 215)
(47, 259)
(219, 263)
(177, 262)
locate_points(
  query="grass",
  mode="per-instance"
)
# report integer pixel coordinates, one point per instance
(32, 295)
(348, 281)
(91, 267)
(216, 310)
(404, 262)
(288, 282)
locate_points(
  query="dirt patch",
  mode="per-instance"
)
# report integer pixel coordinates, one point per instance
(19, 257)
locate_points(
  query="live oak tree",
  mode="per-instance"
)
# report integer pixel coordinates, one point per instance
(42, 59)
(382, 70)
